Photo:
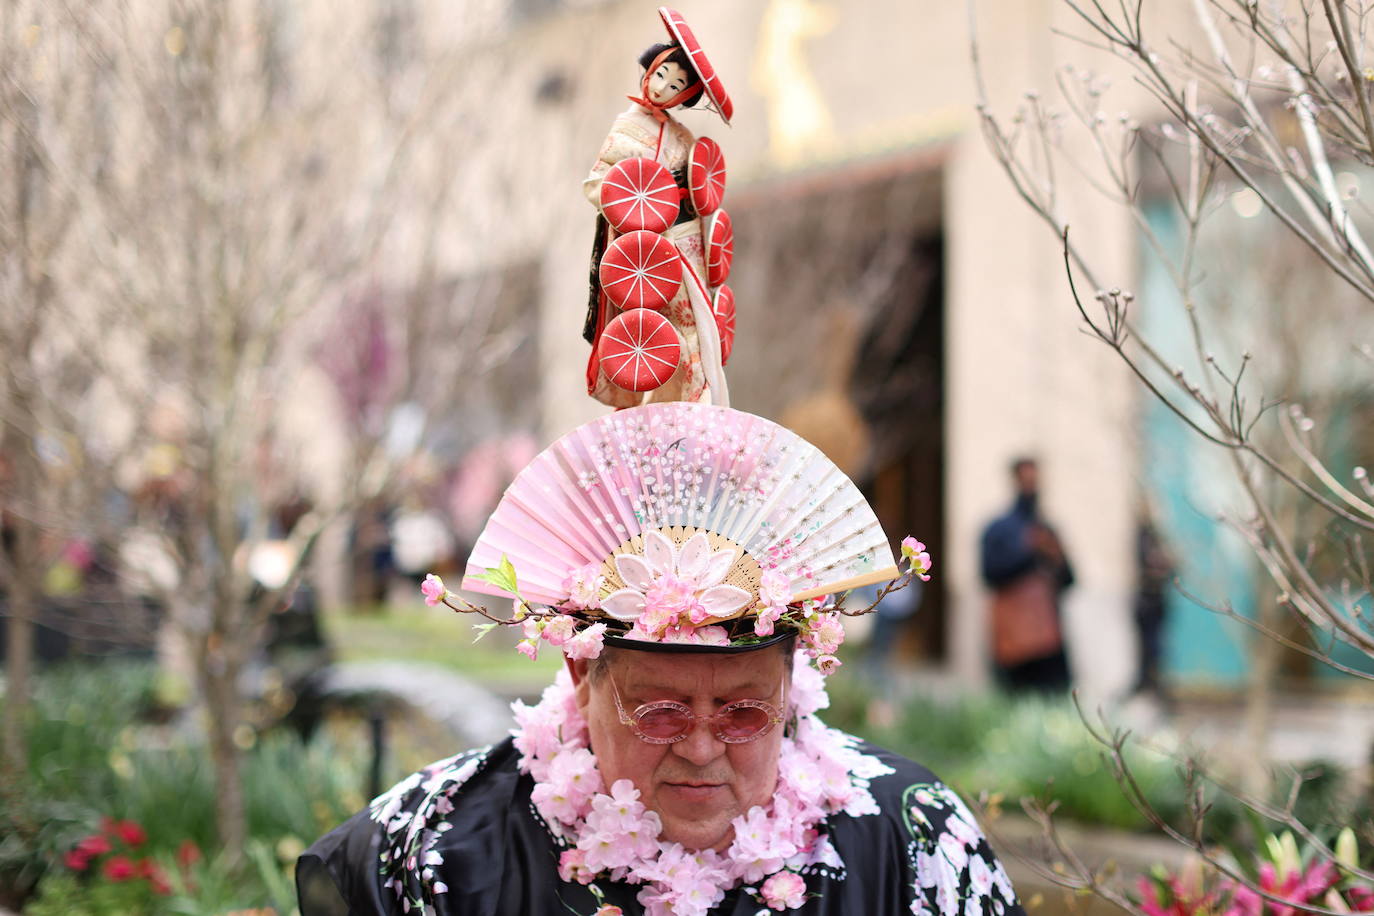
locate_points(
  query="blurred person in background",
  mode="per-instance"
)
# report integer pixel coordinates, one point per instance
(1027, 568)
(1155, 568)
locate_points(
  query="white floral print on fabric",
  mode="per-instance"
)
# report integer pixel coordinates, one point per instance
(408, 851)
(956, 871)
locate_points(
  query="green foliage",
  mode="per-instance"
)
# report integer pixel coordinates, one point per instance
(93, 755)
(1040, 748)
(65, 894)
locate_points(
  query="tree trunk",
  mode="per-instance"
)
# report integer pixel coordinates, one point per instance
(23, 564)
(18, 668)
(220, 684)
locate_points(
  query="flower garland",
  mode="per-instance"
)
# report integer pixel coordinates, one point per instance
(612, 835)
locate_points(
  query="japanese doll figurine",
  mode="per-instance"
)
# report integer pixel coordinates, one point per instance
(651, 319)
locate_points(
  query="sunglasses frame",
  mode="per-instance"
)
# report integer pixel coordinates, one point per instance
(713, 721)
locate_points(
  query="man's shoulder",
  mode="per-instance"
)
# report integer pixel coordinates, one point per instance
(912, 794)
(341, 871)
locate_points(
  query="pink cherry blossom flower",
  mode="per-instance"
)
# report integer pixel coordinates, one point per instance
(763, 624)
(528, 648)
(914, 552)
(826, 634)
(559, 629)
(583, 586)
(433, 590)
(784, 891)
(587, 644)
(828, 664)
(775, 589)
(572, 866)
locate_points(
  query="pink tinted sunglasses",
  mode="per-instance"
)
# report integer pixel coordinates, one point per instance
(667, 721)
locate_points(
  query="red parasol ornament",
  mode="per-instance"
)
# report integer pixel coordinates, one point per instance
(641, 270)
(639, 350)
(720, 247)
(639, 194)
(723, 308)
(706, 176)
(682, 35)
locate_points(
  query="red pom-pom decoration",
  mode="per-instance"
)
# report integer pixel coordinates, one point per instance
(639, 350)
(641, 270)
(723, 308)
(706, 176)
(639, 194)
(720, 247)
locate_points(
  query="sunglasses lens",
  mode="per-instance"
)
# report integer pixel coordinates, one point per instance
(662, 723)
(743, 722)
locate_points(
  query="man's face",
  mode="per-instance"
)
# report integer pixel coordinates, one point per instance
(699, 784)
(667, 81)
(1027, 478)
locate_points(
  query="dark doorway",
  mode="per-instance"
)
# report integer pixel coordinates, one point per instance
(839, 282)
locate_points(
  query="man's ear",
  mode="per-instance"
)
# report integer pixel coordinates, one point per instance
(577, 670)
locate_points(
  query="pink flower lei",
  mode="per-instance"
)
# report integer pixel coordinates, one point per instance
(612, 835)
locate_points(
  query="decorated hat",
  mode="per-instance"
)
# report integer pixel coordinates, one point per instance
(676, 525)
(683, 36)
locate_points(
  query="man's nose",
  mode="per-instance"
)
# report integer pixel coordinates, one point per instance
(701, 746)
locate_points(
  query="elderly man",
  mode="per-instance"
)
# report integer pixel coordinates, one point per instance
(677, 765)
(686, 746)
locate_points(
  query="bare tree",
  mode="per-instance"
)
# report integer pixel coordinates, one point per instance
(202, 191)
(1257, 109)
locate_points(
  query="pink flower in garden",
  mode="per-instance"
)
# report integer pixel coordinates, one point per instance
(94, 845)
(75, 860)
(828, 664)
(587, 644)
(188, 854)
(433, 589)
(784, 891)
(130, 832)
(120, 868)
(528, 648)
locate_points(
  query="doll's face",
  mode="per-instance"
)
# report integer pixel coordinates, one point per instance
(667, 81)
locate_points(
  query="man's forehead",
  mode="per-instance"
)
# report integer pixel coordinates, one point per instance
(693, 673)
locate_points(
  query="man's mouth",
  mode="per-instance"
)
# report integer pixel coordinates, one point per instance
(694, 791)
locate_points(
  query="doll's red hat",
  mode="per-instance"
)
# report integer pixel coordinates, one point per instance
(682, 34)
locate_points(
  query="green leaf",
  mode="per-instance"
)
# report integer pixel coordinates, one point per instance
(508, 569)
(503, 576)
(482, 630)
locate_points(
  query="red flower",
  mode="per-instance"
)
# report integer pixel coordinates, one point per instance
(93, 845)
(149, 869)
(75, 860)
(120, 868)
(188, 854)
(130, 833)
